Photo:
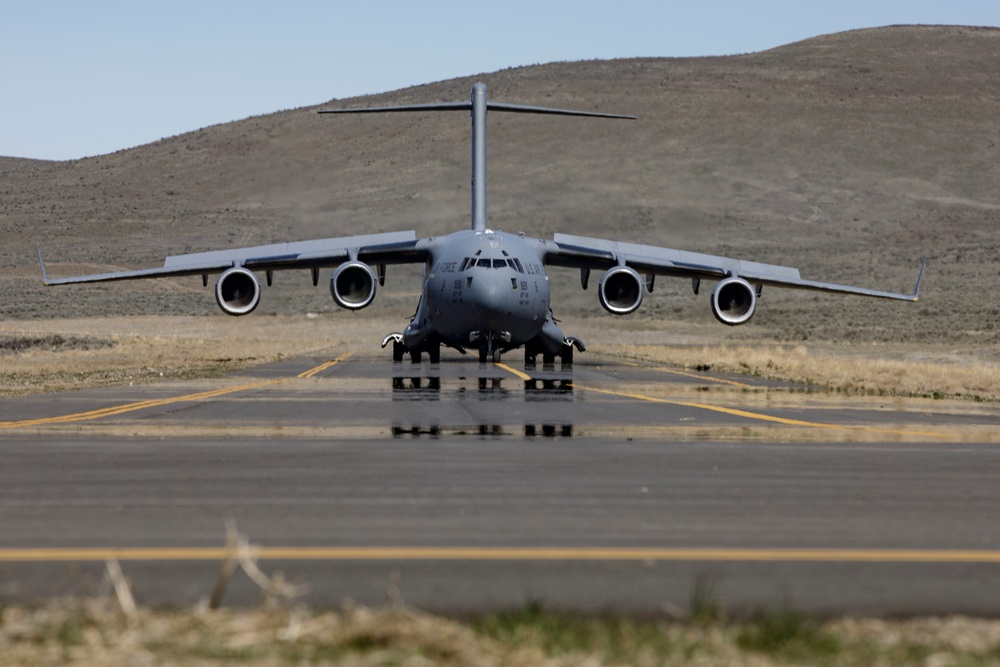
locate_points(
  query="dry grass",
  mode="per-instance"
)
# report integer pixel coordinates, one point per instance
(76, 354)
(96, 633)
(909, 370)
(53, 355)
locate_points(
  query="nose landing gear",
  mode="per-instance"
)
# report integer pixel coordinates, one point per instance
(491, 344)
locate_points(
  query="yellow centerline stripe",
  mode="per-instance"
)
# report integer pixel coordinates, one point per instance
(70, 554)
(523, 376)
(696, 376)
(155, 403)
(763, 417)
(322, 367)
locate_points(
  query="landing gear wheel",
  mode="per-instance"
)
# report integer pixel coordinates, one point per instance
(398, 351)
(548, 359)
(567, 355)
(415, 357)
(529, 358)
(434, 354)
(484, 354)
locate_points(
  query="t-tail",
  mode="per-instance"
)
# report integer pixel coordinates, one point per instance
(479, 104)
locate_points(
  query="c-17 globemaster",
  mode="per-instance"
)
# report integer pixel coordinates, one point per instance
(483, 289)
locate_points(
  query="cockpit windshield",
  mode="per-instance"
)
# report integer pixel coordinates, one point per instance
(487, 263)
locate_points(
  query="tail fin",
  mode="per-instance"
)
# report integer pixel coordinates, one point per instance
(479, 104)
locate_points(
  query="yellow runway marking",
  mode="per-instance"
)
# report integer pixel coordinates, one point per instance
(141, 405)
(322, 367)
(696, 376)
(523, 376)
(503, 554)
(763, 417)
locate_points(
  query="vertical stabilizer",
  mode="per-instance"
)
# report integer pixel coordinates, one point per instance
(479, 104)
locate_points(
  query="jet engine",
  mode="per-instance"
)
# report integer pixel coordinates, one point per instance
(353, 285)
(734, 301)
(237, 291)
(620, 290)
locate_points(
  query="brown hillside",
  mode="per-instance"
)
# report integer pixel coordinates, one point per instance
(11, 163)
(848, 155)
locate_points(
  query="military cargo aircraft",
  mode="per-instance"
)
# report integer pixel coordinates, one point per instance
(483, 289)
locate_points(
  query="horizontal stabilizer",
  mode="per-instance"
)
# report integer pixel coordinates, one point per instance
(490, 106)
(469, 105)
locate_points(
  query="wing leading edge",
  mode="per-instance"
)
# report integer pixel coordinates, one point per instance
(388, 248)
(590, 253)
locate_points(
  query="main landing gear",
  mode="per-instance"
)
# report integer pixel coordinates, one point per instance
(570, 343)
(399, 350)
(487, 352)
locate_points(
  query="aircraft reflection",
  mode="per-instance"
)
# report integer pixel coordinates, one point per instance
(548, 390)
(417, 389)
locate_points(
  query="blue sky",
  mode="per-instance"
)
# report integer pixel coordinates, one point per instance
(87, 78)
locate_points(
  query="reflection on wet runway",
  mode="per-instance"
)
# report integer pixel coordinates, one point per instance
(419, 388)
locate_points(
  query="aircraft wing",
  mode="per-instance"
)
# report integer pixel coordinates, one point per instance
(387, 248)
(589, 253)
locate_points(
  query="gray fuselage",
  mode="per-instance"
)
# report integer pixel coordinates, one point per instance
(482, 285)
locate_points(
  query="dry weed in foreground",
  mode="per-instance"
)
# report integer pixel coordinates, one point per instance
(95, 633)
(848, 370)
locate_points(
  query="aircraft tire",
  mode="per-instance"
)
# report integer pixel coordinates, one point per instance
(567, 355)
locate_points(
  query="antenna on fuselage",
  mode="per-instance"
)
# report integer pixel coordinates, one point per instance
(479, 104)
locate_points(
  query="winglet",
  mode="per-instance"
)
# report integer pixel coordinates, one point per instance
(920, 276)
(45, 277)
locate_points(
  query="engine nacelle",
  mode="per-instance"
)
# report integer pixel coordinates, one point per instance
(734, 301)
(237, 291)
(353, 285)
(620, 290)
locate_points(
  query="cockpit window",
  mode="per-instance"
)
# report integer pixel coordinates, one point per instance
(488, 262)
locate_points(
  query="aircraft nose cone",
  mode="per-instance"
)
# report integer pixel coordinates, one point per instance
(491, 298)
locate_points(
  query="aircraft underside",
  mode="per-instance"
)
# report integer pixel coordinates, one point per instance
(549, 342)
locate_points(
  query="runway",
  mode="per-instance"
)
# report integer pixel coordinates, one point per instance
(460, 487)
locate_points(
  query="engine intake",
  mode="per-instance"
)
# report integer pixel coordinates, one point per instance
(620, 290)
(353, 285)
(734, 301)
(237, 291)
